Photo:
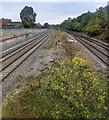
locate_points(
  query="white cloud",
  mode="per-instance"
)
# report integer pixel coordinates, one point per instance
(56, 21)
(59, 20)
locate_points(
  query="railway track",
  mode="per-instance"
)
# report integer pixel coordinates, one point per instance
(14, 57)
(98, 42)
(98, 48)
(15, 36)
(7, 52)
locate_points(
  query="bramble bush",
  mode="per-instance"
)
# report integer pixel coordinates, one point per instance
(68, 89)
(93, 29)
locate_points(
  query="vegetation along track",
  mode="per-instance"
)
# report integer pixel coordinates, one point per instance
(17, 55)
(100, 49)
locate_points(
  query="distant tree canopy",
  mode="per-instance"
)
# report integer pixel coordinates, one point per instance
(46, 25)
(28, 17)
(90, 23)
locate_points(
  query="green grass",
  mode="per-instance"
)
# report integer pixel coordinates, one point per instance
(67, 89)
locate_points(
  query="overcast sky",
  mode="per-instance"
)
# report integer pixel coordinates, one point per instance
(51, 12)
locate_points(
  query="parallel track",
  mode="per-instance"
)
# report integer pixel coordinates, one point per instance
(7, 53)
(16, 36)
(15, 58)
(98, 42)
(100, 49)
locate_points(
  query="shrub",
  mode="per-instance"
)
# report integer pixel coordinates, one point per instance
(93, 29)
(68, 89)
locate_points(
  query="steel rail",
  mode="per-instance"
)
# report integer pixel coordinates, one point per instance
(16, 63)
(23, 51)
(88, 44)
(17, 48)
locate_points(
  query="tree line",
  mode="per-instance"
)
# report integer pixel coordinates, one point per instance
(92, 23)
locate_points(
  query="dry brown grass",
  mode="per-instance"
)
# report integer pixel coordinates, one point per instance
(59, 44)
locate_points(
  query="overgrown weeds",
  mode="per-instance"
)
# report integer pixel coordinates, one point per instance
(68, 89)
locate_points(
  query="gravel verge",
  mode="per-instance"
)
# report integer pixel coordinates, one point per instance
(32, 66)
(95, 63)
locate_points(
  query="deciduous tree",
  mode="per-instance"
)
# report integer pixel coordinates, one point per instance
(28, 17)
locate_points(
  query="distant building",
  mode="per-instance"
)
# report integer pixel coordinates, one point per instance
(7, 23)
(15, 24)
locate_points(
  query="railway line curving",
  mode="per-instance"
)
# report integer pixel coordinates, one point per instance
(98, 48)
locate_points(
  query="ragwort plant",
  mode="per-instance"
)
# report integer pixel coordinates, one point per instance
(68, 89)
